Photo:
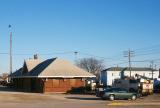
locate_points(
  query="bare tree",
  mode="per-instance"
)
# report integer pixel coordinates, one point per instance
(91, 65)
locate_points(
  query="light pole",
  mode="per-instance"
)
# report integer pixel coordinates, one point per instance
(10, 49)
(75, 53)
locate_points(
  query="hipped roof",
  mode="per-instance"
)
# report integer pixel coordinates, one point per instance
(52, 68)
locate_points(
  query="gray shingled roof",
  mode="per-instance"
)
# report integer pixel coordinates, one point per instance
(53, 68)
(17, 73)
(127, 69)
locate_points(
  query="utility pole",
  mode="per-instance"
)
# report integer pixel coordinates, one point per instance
(129, 54)
(152, 68)
(159, 73)
(10, 50)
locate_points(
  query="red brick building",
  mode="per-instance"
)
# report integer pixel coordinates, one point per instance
(52, 75)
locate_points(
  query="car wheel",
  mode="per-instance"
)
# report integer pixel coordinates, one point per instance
(111, 97)
(134, 97)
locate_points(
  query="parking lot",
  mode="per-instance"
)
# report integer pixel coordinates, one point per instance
(14, 99)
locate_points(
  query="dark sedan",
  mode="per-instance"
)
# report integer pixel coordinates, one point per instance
(116, 93)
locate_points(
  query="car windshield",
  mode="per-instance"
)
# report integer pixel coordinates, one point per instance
(119, 90)
(108, 90)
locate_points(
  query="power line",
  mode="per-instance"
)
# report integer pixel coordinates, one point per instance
(149, 53)
(146, 48)
(155, 49)
(86, 54)
(116, 64)
(147, 60)
(100, 57)
(38, 53)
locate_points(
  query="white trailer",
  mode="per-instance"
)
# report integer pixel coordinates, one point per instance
(142, 86)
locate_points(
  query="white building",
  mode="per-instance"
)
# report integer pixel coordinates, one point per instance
(108, 76)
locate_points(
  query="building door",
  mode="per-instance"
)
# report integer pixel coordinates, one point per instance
(33, 85)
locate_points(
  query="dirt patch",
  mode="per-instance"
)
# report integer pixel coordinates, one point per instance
(28, 97)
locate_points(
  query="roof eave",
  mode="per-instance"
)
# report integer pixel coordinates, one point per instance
(54, 77)
(66, 76)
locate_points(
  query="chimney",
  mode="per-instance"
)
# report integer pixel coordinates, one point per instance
(35, 56)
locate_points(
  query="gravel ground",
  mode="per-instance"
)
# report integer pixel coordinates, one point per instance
(10, 98)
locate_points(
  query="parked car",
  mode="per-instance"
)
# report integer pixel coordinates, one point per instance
(116, 93)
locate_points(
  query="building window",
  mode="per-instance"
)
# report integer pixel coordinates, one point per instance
(144, 74)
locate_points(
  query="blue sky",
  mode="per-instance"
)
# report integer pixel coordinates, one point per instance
(103, 28)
